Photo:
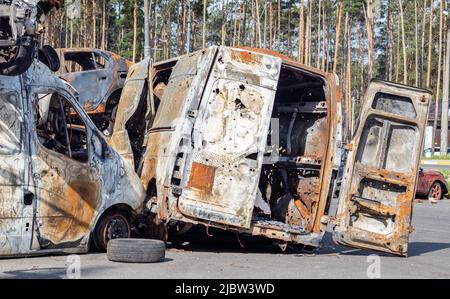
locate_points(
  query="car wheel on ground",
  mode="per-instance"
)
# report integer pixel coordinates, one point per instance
(435, 191)
(136, 250)
(112, 225)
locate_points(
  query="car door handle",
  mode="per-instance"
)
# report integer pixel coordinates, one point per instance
(103, 78)
(28, 198)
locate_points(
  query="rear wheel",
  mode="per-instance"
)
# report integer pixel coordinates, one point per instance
(112, 225)
(435, 191)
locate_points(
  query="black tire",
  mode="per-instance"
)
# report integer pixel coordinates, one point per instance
(48, 56)
(21, 62)
(104, 233)
(136, 251)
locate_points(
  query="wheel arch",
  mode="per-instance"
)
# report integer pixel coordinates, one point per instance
(123, 207)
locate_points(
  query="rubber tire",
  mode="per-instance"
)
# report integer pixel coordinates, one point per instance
(98, 231)
(21, 62)
(136, 251)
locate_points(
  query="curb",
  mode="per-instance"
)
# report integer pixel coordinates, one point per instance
(435, 162)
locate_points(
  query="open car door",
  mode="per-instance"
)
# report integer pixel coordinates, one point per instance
(378, 189)
(229, 137)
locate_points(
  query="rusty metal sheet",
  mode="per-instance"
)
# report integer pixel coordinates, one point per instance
(16, 217)
(129, 102)
(170, 131)
(48, 200)
(376, 199)
(231, 136)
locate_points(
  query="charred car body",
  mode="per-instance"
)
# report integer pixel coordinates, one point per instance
(250, 141)
(98, 76)
(20, 24)
(62, 186)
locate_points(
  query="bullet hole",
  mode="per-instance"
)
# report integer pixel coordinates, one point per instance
(239, 104)
(242, 87)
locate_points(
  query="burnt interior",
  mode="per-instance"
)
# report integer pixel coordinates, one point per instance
(59, 128)
(290, 179)
(83, 61)
(135, 126)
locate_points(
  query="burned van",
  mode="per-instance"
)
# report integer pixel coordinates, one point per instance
(250, 141)
(62, 186)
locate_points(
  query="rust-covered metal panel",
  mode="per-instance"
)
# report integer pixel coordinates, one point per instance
(375, 206)
(172, 127)
(131, 96)
(51, 201)
(230, 137)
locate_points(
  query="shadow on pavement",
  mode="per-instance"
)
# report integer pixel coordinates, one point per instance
(50, 272)
(419, 248)
(222, 241)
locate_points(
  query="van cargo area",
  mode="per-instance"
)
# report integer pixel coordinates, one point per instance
(289, 186)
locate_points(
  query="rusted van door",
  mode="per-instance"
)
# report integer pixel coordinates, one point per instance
(68, 176)
(375, 205)
(222, 172)
(16, 203)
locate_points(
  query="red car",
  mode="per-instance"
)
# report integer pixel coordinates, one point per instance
(432, 184)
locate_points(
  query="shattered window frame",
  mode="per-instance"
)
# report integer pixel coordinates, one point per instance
(39, 91)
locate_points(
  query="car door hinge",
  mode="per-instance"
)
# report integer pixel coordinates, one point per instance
(192, 113)
(177, 191)
(346, 146)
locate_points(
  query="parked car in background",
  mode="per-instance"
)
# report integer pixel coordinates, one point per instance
(432, 183)
(98, 76)
(62, 186)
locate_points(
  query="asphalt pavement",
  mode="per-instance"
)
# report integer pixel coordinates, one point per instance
(429, 257)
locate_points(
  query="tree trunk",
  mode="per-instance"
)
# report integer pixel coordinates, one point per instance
(405, 69)
(337, 36)
(205, 3)
(319, 35)
(430, 44)
(438, 82)
(271, 25)
(397, 65)
(146, 29)
(369, 25)
(223, 23)
(135, 12)
(416, 43)
(301, 32)
(94, 23)
(422, 45)
(325, 37)
(308, 35)
(279, 25)
(258, 23)
(444, 117)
